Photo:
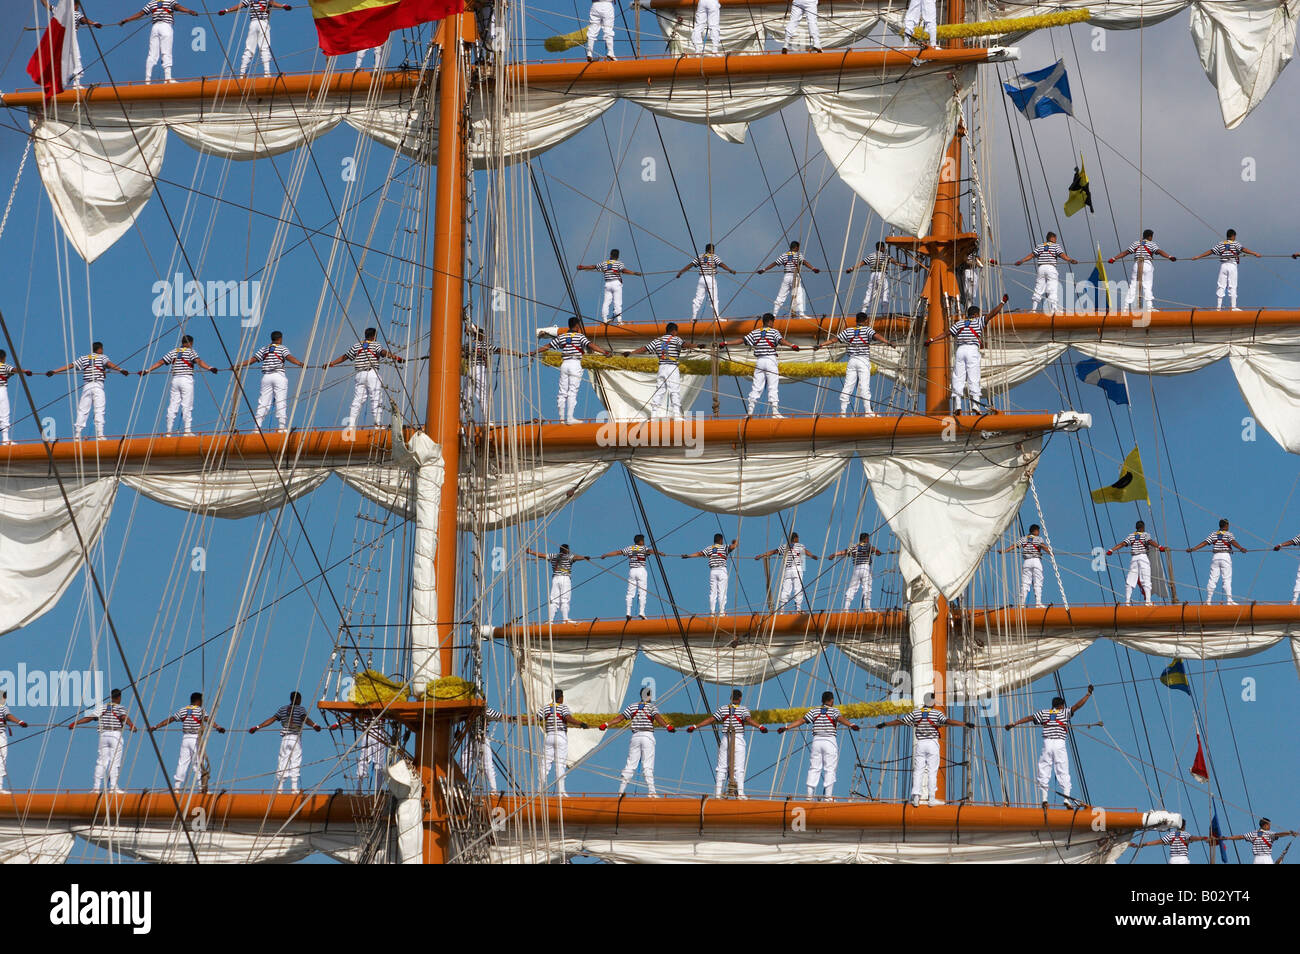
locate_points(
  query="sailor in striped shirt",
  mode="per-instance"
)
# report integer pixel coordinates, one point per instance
(1229, 252)
(879, 263)
(968, 333)
(1139, 543)
(667, 399)
(1293, 542)
(365, 356)
(716, 554)
(561, 580)
(642, 716)
(613, 270)
(259, 31)
(93, 368)
(6, 719)
(1261, 841)
(372, 747)
(1047, 284)
(477, 352)
(824, 754)
(6, 372)
(969, 270)
(926, 722)
(862, 553)
(857, 367)
(1143, 251)
(555, 719)
(791, 556)
(1221, 543)
(183, 361)
(161, 13)
(731, 747)
(111, 717)
(792, 265)
(764, 341)
(292, 718)
(572, 345)
(79, 18)
(275, 384)
(191, 718)
(1177, 840)
(1031, 547)
(1056, 729)
(636, 570)
(708, 265)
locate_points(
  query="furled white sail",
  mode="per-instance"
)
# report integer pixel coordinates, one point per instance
(39, 842)
(420, 454)
(745, 29)
(629, 395)
(231, 494)
(230, 843)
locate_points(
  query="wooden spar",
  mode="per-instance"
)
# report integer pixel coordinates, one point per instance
(159, 808)
(758, 625)
(297, 448)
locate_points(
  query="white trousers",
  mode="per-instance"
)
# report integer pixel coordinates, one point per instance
(570, 381)
(189, 746)
(602, 18)
(476, 386)
(803, 9)
(489, 768)
(667, 399)
(1139, 571)
(1179, 860)
(708, 16)
(181, 399)
(877, 291)
(1031, 575)
(4, 755)
(925, 769)
(561, 590)
(75, 78)
(857, 382)
(361, 56)
(1227, 282)
(823, 757)
(1263, 860)
(966, 375)
(1220, 566)
(366, 386)
(860, 580)
(4, 413)
(259, 38)
(275, 390)
(921, 11)
(109, 759)
(791, 585)
(636, 587)
(1295, 592)
(1047, 285)
(92, 395)
(738, 769)
(640, 751)
(160, 48)
(706, 289)
(288, 763)
(1053, 758)
(1146, 279)
(718, 589)
(371, 755)
(613, 300)
(767, 376)
(555, 751)
(791, 287)
(971, 286)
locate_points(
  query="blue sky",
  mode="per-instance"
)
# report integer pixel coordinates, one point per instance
(175, 623)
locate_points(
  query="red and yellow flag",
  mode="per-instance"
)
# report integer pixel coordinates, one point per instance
(346, 26)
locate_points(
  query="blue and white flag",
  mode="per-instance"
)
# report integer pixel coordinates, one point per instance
(1042, 92)
(1109, 379)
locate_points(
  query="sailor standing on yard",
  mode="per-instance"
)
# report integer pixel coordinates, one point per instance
(667, 399)
(1031, 547)
(1293, 542)
(731, 749)
(863, 553)
(365, 356)
(1143, 251)
(857, 367)
(708, 19)
(807, 10)
(968, 332)
(716, 554)
(183, 360)
(643, 716)
(601, 19)
(93, 368)
(161, 13)
(613, 270)
(708, 265)
(111, 718)
(275, 384)
(572, 345)
(191, 718)
(1261, 841)
(636, 554)
(1177, 841)
(6, 717)
(259, 31)
(555, 719)
(879, 262)
(1229, 252)
(1139, 543)
(7, 371)
(764, 341)
(824, 755)
(791, 557)
(1047, 284)
(926, 722)
(921, 11)
(561, 579)
(1056, 728)
(292, 717)
(792, 265)
(1221, 542)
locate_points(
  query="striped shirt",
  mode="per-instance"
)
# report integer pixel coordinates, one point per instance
(272, 358)
(926, 722)
(717, 554)
(731, 717)
(968, 331)
(763, 341)
(1031, 546)
(1295, 541)
(492, 715)
(191, 719)
(612, 269)
(858, 339)
(364, 355)
(1048, 253)
(291, 718)
(1055, 722)
(641, 715)
(791, 555)
(707, 263)
(1221, 541)
(92, 368)
(571, 345)
(552, 716)
(790, 262)
(878, 261)
(182, 361)
(4, 716)
(1228, 251)
(112, 717)
(862, 553)
(1138, 542)
(257, 9)
(78, 18)
(668, 348)
(1177, 842)
(635, 554)
(1261, 842)
(160, 11)
(561, 563)
(823, 720)
(481, 351)
(1143, 249)
(6, 372)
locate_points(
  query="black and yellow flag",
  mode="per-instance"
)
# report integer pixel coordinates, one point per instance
(1080, 194)
(1132, 485)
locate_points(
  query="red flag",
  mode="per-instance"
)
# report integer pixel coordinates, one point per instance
(346, 26)
(1199, 771)
(51, 64)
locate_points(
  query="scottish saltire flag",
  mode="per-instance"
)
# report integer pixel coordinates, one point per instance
(1175, 677)
(1042, 92)
(1110, 380)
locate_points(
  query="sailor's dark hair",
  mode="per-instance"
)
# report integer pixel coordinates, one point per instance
(115, 694)
(1140, 525)
(972, 311)
(827, 696)
(277, 336)
(928, 699)
(1148, 233)
(793, 246)
(564, 547)
(718, 538)
(794, 536)
(370, 334)
(735, 694)
(559, 694)
(768, 317)
(1034, 528)
(671, 326)
(1057, 702)
(1051, 235)
(196, 697)
(881, 246)
(709, 247)
(97, 346)
(639, 538)
(2, 354)
(863, 537)
(862, 316)
(187, 340)
(1232, 233)
(295, 697)
(575, 321)
(1264, 821)
(1223, 524)
(613, 253)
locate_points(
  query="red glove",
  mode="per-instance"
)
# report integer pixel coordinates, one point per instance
(855, 728)
(780, 730)
(672, 728)
(1109, 552)
(690, 728)
(604, 726)
(1005, 299)
(1110, 261)
(763, 729)
(794, 347)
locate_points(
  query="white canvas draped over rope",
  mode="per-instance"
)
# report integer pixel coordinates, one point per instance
(250, 843)
(748, 663)
(35, 843)
(229, 494)
(627, 394)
